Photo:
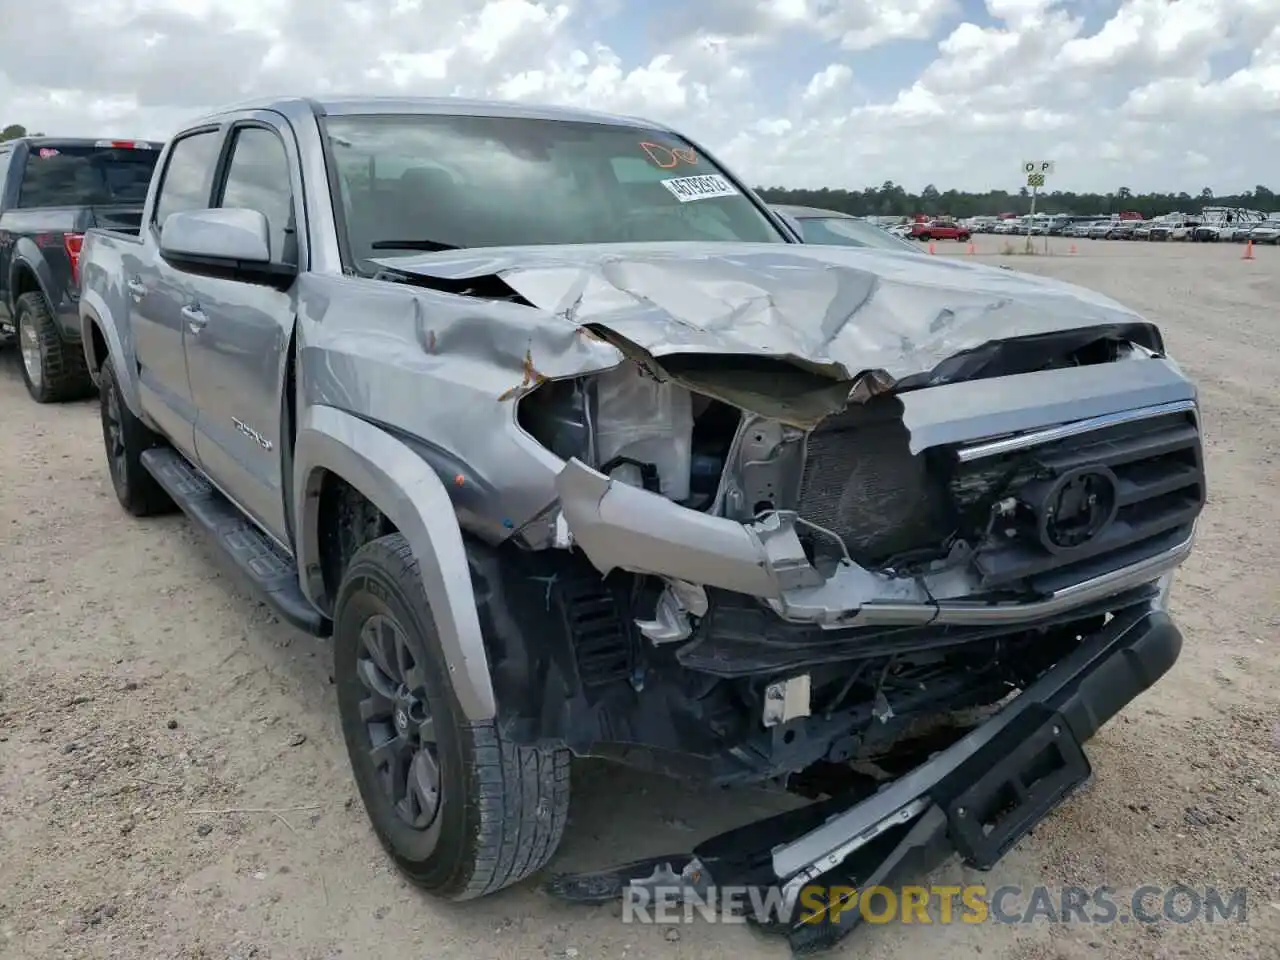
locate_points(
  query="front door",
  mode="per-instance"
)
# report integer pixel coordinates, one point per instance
(157, 293)
(238, 332)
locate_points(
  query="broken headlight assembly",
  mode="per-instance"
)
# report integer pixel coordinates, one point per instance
(635, 429)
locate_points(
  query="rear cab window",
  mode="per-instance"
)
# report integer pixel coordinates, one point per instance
(445, 181)
(85, 175)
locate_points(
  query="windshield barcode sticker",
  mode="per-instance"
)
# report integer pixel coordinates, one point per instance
(704, 187)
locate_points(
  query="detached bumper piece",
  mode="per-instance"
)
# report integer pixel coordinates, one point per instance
(977, 798)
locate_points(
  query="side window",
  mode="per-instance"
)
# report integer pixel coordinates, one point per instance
(5, 158)
(188, 175)
(258, 179)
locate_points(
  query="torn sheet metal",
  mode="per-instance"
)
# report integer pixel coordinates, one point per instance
(440, 349)
(844, 319)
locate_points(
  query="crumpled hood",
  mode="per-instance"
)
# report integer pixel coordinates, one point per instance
(842, 313)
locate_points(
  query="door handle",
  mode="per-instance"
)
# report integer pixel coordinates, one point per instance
(195, 317)
(137, 289)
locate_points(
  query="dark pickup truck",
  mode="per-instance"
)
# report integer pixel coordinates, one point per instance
(51, 191)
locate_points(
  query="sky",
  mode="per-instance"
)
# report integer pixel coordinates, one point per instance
(1166, 95)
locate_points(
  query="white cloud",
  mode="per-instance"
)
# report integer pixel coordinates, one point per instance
(828, 81)
(1155, 94)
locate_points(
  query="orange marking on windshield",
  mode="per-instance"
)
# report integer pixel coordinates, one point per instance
(669, 158)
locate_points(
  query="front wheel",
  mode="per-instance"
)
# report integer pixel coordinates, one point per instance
(461, 811)
(925, 238)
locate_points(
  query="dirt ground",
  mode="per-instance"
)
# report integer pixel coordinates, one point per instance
(173, 782)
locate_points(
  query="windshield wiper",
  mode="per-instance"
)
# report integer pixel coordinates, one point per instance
(430, 245)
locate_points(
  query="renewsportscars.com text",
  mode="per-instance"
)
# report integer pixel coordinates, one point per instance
(1148, 904)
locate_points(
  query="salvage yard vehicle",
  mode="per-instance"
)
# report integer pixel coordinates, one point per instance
(1124, 230)
(1173, 228)
(550, 423)
(1268, 231)
(939, 230)
(52, 189)
(1101, 229)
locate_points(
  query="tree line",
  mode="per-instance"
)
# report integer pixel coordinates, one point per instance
(891, 199)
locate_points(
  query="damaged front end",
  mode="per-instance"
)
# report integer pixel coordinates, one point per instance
(895, 537)
(835, 586)
(897, 612)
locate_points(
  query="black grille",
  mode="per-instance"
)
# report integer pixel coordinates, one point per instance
(862, 483)
(1155, 466)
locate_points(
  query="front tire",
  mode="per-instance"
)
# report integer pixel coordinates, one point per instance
(460, 810)
(52, 369)
(126, 438)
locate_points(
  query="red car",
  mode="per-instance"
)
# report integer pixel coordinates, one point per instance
(939, 231)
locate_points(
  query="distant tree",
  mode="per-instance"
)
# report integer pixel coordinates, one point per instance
(1206, 195)
(929, 199)
(12, 132)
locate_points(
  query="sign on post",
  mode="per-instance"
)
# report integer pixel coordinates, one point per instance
(1037, 172)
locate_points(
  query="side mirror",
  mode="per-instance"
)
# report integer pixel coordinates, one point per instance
(226, 242)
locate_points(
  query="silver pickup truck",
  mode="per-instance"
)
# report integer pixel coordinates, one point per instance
(574, 449)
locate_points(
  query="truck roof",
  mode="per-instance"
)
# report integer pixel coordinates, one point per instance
(297, 107)
(43, 141)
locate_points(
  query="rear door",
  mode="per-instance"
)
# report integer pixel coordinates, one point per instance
(237, 351)
(159, 294)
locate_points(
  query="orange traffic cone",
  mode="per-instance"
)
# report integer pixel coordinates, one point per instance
(1248, 251)
(932, 248)
(1073, 250)
(972, 249)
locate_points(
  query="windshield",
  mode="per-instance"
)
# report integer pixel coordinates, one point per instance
(844, 232)
(56, 176)
(438, 182)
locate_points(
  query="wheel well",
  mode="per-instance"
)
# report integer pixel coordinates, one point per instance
(25, 282)
(347, 520)
(98, 350)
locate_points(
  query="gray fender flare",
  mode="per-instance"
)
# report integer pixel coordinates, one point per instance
(93, 311)
(409, 493)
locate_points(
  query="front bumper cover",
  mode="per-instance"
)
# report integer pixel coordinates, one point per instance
(621, 526)
(917, 821)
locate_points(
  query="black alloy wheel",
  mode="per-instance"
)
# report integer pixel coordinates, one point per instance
(399, 728)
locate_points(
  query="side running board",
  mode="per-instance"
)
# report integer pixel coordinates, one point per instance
(266, 569)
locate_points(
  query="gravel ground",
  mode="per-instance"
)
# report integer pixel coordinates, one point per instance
(173, 782)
